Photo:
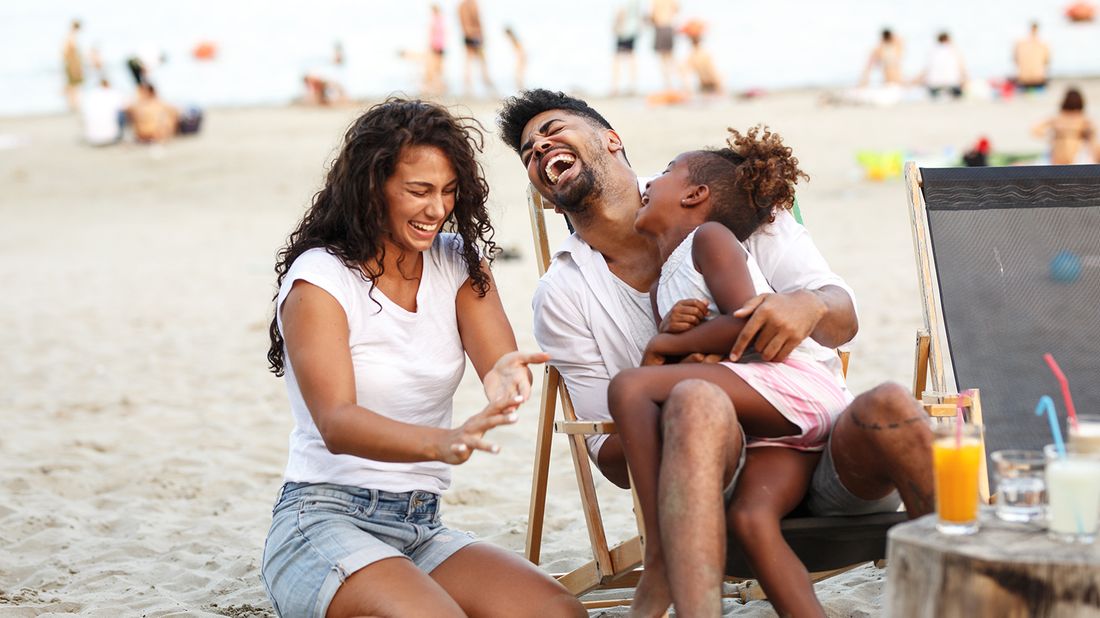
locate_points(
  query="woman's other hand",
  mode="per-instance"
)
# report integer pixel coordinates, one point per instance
(461, 442)
(510, 376)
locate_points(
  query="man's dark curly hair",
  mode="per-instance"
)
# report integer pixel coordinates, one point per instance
(520, 109)
(748, 180)
(348, 215)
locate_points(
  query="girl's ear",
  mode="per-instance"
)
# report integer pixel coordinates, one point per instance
(695, 195)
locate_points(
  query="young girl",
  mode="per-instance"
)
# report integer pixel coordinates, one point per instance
(698, 211)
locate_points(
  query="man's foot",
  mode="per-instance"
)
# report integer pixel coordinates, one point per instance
(653, 596)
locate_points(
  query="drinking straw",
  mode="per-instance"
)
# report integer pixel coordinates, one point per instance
(959, 419)
(1071, 412)
(1047, 404)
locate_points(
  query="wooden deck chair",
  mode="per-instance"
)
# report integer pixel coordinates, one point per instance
(827, 545)
(1009, 266)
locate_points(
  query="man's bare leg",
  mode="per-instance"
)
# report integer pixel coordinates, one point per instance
(882, 441)
(701, 450)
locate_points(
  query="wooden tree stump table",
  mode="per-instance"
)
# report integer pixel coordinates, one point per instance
(1003, 571)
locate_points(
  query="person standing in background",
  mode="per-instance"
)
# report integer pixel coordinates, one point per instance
(887, 55)
(521, 56)
(1032, 58)
(946, 71)
(470, 18)
(662, 15)
(628, 21)
(74, 66)
(434, 84)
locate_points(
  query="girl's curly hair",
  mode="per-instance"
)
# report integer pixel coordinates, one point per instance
(348, 216)
(748, 180)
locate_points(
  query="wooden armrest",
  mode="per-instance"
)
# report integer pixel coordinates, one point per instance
(585, 427)
(940, 405)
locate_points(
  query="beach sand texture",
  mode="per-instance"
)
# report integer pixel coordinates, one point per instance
(144, 440)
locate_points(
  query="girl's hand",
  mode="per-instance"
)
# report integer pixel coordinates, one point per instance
(654, 354)
(459, 443)
(510, 376)
(684, 315)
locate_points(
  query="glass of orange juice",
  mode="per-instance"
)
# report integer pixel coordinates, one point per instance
(956, 454)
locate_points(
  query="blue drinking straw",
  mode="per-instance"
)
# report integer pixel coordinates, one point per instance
(1052, 415)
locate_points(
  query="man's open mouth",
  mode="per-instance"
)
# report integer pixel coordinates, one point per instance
(557, 165)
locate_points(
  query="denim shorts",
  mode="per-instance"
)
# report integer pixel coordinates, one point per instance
(828, 496)
(321, 534)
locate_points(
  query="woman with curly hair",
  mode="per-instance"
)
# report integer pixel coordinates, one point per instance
(699, 211)
(384, 290)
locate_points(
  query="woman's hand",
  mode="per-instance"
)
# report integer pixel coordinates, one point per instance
(684, 315)
(510, 376)
(459, 443)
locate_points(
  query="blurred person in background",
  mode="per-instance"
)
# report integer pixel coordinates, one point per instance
(945, 72)
(74, 65)
(470, 18)
(628, 21)
(103, 114)
(886, 56)
(1032, 58)
(154, 120)
(1072, 135)
(521, 56)
(662, 15)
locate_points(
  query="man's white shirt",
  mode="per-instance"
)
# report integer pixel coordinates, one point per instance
(583, 324)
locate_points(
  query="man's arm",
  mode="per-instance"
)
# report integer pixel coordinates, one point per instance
(810, 300)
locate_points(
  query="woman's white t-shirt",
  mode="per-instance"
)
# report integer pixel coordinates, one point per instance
(407, 366)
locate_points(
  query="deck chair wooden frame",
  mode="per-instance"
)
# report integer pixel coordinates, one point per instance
(932, 356)
(859, 539)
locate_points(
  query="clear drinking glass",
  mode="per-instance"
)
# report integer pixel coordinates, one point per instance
(1086, 437)
(1021, 485)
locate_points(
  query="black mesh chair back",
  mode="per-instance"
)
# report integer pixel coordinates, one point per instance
(1016, 268)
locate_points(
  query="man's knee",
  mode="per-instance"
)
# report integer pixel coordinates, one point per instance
(695, 401)
(885, 414)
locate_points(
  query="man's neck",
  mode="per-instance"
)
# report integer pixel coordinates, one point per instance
(608, 227)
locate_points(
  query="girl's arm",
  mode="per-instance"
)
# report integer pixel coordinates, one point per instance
(489, 342)
(315, 329)
(722, 261)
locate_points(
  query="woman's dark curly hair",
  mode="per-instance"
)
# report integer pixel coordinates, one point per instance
(348, 215)
(748, 179)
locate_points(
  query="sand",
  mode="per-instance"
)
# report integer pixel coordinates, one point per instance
(143, 439)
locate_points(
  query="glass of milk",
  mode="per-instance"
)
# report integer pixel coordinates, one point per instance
(1073, 494)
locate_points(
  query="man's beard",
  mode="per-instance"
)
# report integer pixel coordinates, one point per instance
(582, 192)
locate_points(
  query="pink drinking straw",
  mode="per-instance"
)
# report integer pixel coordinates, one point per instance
(959, 419)
(1071, 412)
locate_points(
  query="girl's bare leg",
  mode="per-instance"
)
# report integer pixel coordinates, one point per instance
(635, 398)
(392, 588)
(772, 483)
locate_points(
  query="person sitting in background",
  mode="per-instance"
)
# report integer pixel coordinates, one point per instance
(887, 55)
(154, 120)
(1032, 58)
(699, 62)
(1071, 133)
(945, 72)
(103, 114)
